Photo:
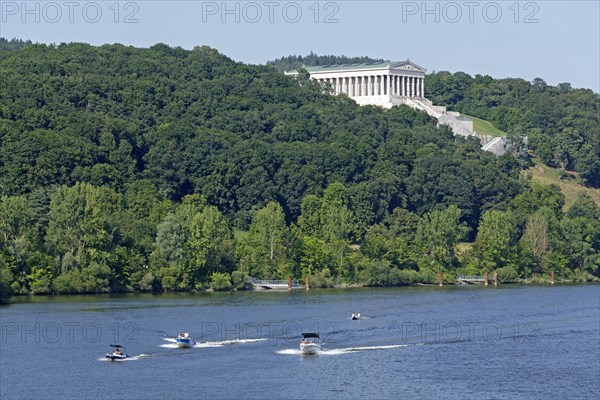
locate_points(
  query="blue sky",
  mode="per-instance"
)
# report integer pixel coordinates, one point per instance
(558, 41)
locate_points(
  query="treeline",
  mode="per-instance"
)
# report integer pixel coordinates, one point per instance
(294, 62)
(561, 123)
(125, 169)
(96, 240)
(13, 44)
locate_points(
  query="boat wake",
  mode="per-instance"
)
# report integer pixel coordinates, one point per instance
(347, 350)
(173, 344)
(335, 352)
(228, 342)
(289, 351)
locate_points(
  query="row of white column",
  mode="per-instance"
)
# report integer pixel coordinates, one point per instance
(377, 85)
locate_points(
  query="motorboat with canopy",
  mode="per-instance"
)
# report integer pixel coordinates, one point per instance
(116, 354)
(309, 343)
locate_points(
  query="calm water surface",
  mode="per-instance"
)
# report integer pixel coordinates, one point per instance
(525, 342)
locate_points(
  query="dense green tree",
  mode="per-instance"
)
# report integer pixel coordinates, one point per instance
(315, 257)
(495, 243)
(581, 229)
(17, 236)
(438, 233)
(210, 244)
(537, 240)
(82, 224)
(267, 243)
(536, 197)
(169, 248)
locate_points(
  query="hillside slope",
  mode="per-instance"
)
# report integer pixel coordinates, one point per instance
(567, 182)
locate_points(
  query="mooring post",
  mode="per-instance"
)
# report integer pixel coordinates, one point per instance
(307, 283)
(485, 278)
(552, 278)
(289, 284)
(495, 278)
(441, 279)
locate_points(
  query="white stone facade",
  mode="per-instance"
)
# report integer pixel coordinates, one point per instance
(390, 84)
(382, 84)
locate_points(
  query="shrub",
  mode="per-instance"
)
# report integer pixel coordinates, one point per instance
(143, 281)
(408, 277)
(69, 282)
(96, 278)
(239, 279)
(507, 274)
(381, 273)
(40, 280)
(427, 276)
(168, 278)
(321, 279)
(220, 281)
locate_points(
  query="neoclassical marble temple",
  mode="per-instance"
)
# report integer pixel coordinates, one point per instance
(384, 84)
(390, 84)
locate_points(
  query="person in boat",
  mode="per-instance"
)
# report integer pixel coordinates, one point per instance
(118, 352)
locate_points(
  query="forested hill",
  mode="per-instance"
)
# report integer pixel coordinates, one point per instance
(562, 123)
(126, 169)
(197, 122)
(293, 62)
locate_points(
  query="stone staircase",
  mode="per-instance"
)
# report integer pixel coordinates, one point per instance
(460, 125)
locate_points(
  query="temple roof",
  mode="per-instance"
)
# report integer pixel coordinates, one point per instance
(407, 64)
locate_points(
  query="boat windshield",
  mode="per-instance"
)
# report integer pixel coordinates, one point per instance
(310, 336)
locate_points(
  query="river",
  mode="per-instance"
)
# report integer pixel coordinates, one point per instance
(505, 342)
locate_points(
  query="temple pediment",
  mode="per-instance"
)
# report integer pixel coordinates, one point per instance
(408, 66)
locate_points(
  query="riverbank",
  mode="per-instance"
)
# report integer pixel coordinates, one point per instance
(542, 280)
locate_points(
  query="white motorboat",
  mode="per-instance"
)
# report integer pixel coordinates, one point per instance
(184, 340)
(309, 344)
(355, 316)
(117, 354)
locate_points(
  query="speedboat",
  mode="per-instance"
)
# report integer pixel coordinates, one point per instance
(184, 340)
(309, 344)
(355, 316)
(116, 354)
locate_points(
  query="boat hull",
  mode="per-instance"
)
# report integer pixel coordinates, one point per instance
(116, 357)
(185, 343)
(309, 348)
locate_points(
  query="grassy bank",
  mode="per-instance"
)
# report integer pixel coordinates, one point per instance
(483, 127)
(568, 183)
